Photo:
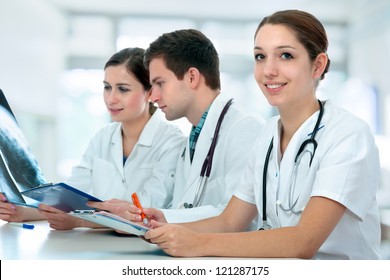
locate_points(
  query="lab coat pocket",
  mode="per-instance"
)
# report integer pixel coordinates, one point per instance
(103, 176)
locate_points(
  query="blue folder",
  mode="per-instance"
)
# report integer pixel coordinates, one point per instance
(61, 196)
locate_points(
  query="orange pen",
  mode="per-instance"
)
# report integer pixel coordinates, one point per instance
(136, 202)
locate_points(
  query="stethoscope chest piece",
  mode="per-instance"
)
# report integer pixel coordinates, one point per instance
(188, 205)
(265, 226)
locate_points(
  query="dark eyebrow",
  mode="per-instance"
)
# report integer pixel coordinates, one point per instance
(119, 84)
(280, 47)
(286, 47)
(155, 79)
(124, 84)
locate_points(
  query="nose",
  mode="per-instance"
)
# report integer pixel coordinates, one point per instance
(111, 96)
(155, 95)
(270, 68)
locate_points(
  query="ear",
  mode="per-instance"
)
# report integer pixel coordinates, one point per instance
(193, 77)
(319, 65)
(148, 94)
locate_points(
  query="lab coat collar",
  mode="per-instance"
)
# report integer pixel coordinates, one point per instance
(146, 138)
(147, 135)
(149, 132)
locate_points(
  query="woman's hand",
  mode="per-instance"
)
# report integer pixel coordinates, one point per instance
(154, 214)
(118, 207)
(58, 219)
(127, 210)
(175, 240)
(12, 213)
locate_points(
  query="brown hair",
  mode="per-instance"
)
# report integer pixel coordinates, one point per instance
(308, 30)
(182, 49)
(132, 58)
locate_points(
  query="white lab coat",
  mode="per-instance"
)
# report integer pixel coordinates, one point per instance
(345, 168)
(238, 133)
(149, 170)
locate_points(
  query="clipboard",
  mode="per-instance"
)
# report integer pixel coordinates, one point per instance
(110, 220)
(61, 196)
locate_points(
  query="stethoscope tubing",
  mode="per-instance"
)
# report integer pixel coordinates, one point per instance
(297, 159)
(208, 162)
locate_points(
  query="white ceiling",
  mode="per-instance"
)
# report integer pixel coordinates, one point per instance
(325, 10)
(229, 24)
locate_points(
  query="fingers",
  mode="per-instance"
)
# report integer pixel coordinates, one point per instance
(6, 207)
(155, 224)
(47, 208)
(95, 204)
(2, 197)
(154, 214)
(120, 208)
(157, 231)
(154, 236)
(60, 220)
(8, 211)
(115, 206)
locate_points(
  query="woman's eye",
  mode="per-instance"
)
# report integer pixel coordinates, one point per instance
(286, 56)
(106, 87)
(160, 84)
(259, 56)
(123, 89)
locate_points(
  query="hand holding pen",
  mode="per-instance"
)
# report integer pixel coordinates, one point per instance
(136, 202)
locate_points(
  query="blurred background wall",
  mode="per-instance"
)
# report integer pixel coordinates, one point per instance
(52, 53)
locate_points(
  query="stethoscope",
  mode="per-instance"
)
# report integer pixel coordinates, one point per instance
(301, 151)
(207, 164)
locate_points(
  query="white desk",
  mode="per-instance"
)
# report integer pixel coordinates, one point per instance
(43, 243)
(26, 252)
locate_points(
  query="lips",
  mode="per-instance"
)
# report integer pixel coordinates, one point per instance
(114, 111)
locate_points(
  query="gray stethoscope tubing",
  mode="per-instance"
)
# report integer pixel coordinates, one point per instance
(297, 160)
(207, 164)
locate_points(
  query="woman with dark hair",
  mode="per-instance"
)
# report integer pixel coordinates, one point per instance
(137, 152)
(313, 177)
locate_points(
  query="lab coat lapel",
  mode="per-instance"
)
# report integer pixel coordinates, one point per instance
(204, 142)
(201, 150)
(117, 150)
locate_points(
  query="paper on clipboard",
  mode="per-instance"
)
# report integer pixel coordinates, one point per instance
(110, 220)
